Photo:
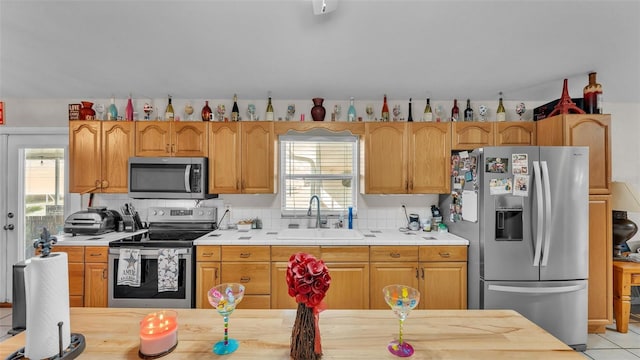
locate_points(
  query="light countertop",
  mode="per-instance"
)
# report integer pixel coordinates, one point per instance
(371, 237)
(94, 240)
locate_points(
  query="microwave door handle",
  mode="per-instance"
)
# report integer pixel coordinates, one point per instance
(547, 212)
(187, 178)
(538, 184)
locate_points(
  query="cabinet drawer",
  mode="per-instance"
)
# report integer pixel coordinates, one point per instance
(394, 253)
(208, 253)
(74, 253)
(345, 253)
(635, 279)
(255, 302)
(443, 253)
(255, 276)
(96, 254)
(246, 253)
(283, 253)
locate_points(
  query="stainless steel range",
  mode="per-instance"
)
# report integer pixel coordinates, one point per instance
(174, 229)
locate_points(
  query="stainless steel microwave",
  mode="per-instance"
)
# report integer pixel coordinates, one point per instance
(168, 178)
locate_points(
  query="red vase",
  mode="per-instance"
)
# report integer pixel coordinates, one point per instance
(86, 111)
(206, 112)
(318, 111)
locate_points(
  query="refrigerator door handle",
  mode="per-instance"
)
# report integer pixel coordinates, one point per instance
(539, 221)
(537, 290)
(547, 212)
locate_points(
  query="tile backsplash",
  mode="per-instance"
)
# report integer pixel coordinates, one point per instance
(372, 211)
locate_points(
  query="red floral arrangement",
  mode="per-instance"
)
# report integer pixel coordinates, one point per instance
(308, 280)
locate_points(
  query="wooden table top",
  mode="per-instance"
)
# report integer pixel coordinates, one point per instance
(112, 333)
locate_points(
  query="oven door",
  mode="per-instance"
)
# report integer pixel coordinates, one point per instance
(147, 295)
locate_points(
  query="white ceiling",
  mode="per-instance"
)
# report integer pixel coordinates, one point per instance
(405, 48)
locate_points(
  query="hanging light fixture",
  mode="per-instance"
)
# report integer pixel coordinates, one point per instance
(321, 7)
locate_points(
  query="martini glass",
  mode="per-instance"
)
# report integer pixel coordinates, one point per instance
(224, 298)
(402, 299)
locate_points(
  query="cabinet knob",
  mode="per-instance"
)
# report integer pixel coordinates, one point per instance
(444, 254)
(94, 254)
(245, 255)
(166, 148)
(245, 279)
(104, 184)
(394, 255)
(209, 254)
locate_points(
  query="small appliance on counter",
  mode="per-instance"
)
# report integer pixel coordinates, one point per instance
(95, 220)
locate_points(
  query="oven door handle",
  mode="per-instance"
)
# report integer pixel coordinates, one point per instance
(153, 253)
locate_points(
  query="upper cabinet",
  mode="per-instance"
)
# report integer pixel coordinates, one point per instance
(171, 138)
(241, 158)
(99, 152)
(402, 157)
(589, 130)
(471, 135)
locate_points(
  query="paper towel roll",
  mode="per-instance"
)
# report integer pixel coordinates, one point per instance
(47, 295)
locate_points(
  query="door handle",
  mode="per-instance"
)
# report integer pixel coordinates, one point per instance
(9, 227)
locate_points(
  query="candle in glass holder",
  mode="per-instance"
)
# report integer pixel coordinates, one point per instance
(159, 332)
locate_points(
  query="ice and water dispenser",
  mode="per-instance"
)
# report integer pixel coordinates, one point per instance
(509, 216)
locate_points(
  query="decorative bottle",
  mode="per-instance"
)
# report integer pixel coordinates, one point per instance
(385, 110)
(168, 113)
(410, 116)
(235, 112)
(351, 113)
(593, 96)
(128, 112)
(112, 113)
(318, 111)
(206, 111)
(468, 112)
(455, 111)
(501, 114)
(428, 114)
(269, 115)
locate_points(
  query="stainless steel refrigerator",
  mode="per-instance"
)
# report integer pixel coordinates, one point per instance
(525, 211)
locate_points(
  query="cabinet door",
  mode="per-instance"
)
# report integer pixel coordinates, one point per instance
(280, 298)
(95, 284)
(75, 258)
(153, 138)
(257, 163)
(471, 135)
(385, 159)
(189, 139)
(515, 133)
(389, 273)
(117, 146)
(207, 276)
(429, 157)
(85, 154)
(443, 285)
(593, 131)
(600, 263)
(224, 158)
(349, 287)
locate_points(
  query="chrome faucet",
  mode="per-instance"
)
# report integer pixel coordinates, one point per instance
(318, 212)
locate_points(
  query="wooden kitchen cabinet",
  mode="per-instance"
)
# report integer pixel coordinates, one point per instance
(249, 266)
(600, 263)
(241, 158)
(591, 130)
(443, 277)
(401, 158)
(515, 133)
(75, 259)
(471, 135)
(96, 276)
(171, 138)
(99, 152)
(391, 265)
(207, 273)
(349, 270)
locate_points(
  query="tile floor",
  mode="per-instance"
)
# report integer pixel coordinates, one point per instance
(608, 346)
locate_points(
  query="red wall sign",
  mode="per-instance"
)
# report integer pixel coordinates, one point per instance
(1, 112)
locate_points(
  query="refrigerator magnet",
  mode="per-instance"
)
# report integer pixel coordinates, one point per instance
(519, 164)
(500, 186)
(521, 185)
(496, 165)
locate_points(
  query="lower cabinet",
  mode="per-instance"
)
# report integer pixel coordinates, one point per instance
(75, 258)
(600, 263)
(358, 274)
(96, 274)
(207, 273)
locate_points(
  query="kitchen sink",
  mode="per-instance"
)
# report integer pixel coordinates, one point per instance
(319, 234)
